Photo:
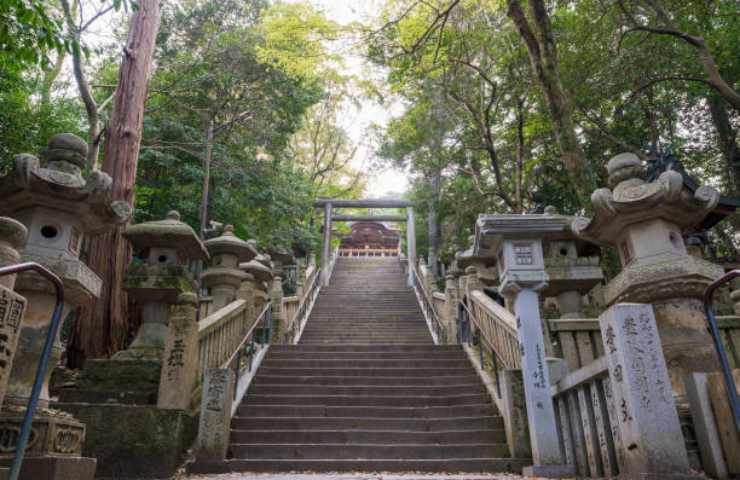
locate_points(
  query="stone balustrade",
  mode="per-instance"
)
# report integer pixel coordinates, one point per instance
(220, 333)
(576, 340)
(497, 328)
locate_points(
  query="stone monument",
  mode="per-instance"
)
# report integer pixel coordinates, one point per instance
(645, 222)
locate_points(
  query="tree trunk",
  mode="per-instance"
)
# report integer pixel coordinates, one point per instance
(727, 139)
(102, 327)
(543, 57)
(520, 153)
(207, 158)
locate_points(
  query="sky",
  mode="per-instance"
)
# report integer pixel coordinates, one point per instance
(357, 121)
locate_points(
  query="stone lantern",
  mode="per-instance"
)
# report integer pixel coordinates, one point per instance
(224, 277)
(645, 222)
(12, 306)
(257, 275)
(59, 207)
(537, 253)
(280, 259)
(156, 280)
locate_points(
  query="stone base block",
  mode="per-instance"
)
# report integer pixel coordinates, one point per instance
(550, 471)
(54, 468)
(113, 381)
(134, 441)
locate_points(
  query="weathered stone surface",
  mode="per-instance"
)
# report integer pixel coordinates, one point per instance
(647, 419)
(180, 364)
(134, 441)
(215, 415)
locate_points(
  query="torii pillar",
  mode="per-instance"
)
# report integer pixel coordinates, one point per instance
(410, 243)
(326, 253)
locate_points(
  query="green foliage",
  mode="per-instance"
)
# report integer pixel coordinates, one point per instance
(476, 111)
(27, 33)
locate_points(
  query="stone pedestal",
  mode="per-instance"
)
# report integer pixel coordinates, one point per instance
(645, 221)
(648, 423)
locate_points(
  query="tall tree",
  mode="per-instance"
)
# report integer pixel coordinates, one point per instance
(102, 327)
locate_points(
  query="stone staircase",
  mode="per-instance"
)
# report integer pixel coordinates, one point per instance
(367, 390)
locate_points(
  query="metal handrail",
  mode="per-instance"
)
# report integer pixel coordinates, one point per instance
(56, 318)
(714, 330)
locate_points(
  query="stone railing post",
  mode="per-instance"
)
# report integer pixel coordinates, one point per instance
(214, 426)
(449, 315)
(12, 306)
(280, 323)
(300, 279)
(647, 423)
(179, 372)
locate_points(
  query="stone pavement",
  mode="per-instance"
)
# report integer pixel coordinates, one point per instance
(354, 476)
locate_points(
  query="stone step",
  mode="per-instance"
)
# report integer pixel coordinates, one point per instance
(364, 411)
(437, 465)
(364, 348)
(350, 451)
(365, 437)
(461, 381)
(324, 339)
(374, 363)
(368, 423)
(399, 400)
(366, 390)
(299, 355)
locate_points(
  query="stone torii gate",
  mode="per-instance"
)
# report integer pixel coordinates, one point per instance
(330, 204)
